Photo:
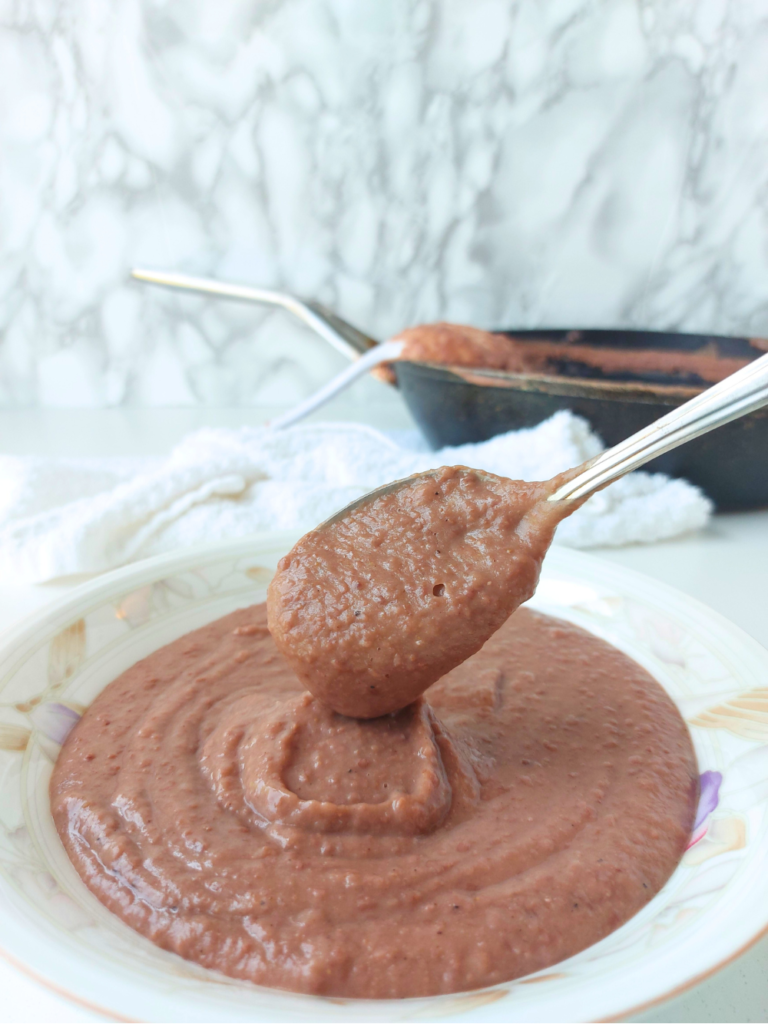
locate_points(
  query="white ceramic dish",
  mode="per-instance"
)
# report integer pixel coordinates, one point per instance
(714, 906)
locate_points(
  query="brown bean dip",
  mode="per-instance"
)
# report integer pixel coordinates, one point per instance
(458, 345)
(375, 607)
(540, 799)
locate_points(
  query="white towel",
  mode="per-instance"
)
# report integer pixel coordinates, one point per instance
(60, 517)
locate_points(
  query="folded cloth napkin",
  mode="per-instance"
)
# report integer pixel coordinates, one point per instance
(60, 517)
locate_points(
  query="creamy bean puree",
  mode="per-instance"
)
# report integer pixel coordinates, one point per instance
(540, 798)
(459, 345)
(373, 608)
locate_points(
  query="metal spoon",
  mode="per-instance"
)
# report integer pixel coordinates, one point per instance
(741, 393)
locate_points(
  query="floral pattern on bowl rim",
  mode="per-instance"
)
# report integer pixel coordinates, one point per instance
(52, 667)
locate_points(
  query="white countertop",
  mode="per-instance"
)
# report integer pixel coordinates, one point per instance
(725, 566)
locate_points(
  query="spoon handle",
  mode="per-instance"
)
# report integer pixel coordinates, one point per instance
(741, 393)
(343, 336)
(385, 352)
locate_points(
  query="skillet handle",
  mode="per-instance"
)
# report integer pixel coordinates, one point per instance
(337, 332)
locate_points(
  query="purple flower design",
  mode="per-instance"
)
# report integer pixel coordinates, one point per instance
(709, 786)
(55, 721)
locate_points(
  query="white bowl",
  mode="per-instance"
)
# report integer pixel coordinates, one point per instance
(713, 907)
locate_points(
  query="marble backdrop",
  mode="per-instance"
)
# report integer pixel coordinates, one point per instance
(500, 162)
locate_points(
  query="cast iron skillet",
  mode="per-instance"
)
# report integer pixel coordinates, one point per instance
(457, 405)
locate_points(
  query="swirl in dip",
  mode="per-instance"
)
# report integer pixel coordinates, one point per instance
(540, 798)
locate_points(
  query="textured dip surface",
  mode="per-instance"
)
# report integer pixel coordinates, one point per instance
(540, 798)
(374, 607)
